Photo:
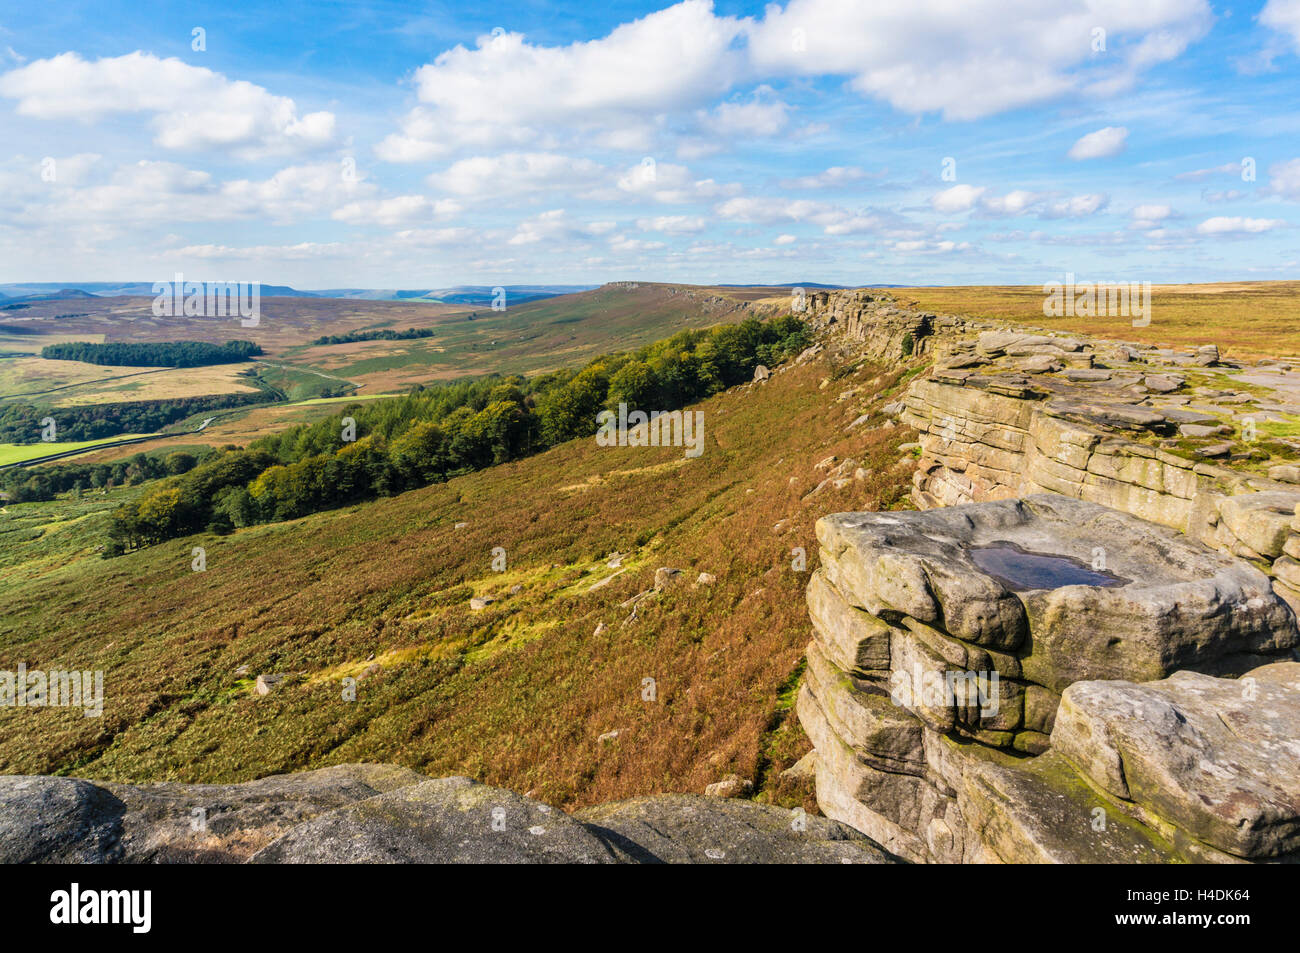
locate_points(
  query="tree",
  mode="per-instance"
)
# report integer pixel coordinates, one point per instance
(179, 462)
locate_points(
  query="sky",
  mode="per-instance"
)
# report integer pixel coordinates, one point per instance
(423, 145)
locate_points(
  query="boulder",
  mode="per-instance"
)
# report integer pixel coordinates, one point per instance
(1162, 383)
(1217, 758)
(666, 576)
(733, 785)
(1285, 473)
(1261, 520)
(58, 821)
(266, 684)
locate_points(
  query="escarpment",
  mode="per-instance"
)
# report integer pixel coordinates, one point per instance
(1084, 648)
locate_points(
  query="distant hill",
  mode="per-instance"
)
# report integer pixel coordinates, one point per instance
(61, 294)
(459, 294)
(53, 291)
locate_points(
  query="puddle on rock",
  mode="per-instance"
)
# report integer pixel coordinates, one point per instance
(1021, 570)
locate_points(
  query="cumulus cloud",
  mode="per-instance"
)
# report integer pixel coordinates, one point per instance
(556, 226)
(668, 183)
(1284, 179)
(966, 61)
(1101, 144)
(963, 198)
(771, 210)
(1283, 16)
(972, 59)
(675, 59)
(762, 116)
(834, 177)
(1149, 216)
(673, 224)
(1237, 225)
(959, 198)
(398, 210)
(193, 107)
(514, 172)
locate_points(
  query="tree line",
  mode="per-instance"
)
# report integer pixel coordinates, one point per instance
(44, 483)
(21, 422)
(435, 433)
(386, 335)
(153, 353)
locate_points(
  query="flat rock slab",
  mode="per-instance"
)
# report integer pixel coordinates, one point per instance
(691, 829)
(65, 820)
(1174, 603)
(1218, 758)
(440, 821)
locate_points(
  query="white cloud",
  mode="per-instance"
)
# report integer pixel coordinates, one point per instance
(508, 91)
(974, 58)
(835, 176)
(762, 116)
(832, 219)
(966, 60)
(1236, 225)
(1149, 216)
(298, 252)
(673, 224)
(784, 240)
(959, 198)
(555, 226)
(1284, 179)
(1015, 202)
(962, 198)
(666, 182)
(1076, 206)
(398, 210)
(298, 191)
(193, 108)
(1101, 144)
(515, 172)
(1284, 17)
(1196, 175)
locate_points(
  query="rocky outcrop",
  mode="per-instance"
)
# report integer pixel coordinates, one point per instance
(1005, 414)
(960, 700)
(883, 330)
(372, 813)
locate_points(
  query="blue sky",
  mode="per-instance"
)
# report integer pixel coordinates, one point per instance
(396, 145)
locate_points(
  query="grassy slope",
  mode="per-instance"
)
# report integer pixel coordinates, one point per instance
(1248, 319)
(515, 695)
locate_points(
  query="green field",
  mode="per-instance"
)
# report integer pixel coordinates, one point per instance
(19, 452)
